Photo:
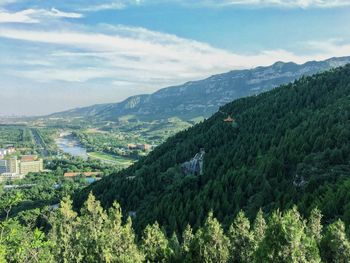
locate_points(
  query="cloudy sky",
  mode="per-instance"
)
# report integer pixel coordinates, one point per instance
(59, 54)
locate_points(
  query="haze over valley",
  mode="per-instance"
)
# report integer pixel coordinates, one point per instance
(175, 131)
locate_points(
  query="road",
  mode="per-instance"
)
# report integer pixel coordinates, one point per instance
(39, 142)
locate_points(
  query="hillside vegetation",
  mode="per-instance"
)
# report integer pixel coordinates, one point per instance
(291, 146)
(97, 235)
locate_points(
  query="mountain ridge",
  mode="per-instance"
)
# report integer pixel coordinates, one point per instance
(202, 98)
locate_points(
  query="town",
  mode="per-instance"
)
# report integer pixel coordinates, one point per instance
(17, 167)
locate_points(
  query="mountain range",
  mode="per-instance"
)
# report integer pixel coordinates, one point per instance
(202, 98)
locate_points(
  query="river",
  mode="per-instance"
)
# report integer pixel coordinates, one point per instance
(68, 144)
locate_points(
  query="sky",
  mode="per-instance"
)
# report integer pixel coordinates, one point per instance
(61, 54)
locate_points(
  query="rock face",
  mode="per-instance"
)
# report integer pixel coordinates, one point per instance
(202, 98)
(195, 165)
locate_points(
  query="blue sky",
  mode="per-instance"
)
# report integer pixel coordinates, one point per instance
(56, 55)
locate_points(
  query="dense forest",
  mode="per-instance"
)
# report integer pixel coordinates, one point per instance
(97, 235)
(286, 147)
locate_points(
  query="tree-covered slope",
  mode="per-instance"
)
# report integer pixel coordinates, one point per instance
(202, 98)
(290, 146)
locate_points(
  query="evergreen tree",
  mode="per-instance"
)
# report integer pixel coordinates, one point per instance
(175, 248)
(155, 245)
(120, 239)
(286, 241)
(314, 225)
(259, 229)
(187, 242)
(241, 239)
(92, 237)
(335, 246)
(210, 245)
(64, 233)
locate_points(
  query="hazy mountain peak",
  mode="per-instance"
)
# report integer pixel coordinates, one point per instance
(204, 97)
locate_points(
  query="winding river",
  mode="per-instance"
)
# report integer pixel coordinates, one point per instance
(68, 144)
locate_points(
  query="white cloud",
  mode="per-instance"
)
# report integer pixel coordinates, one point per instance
(263, 3)
(24, 16)
(146, 56)
(110, 5)
(34, 15)
(100, 7)
(131, 58)
(57, 13)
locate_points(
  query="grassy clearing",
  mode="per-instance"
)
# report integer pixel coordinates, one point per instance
(111, 158)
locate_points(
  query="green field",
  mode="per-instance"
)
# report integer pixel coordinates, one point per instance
(111, 158)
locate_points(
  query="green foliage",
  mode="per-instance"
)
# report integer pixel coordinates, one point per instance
(210, 245)
(97, 235)
(64, 233)
(314, 224)
(241, 239)
(18, 136)
(335, 246)
(259, 229)
(94, 236)
(286, 240)
(20, 243)
(155, 244)
(291, 146)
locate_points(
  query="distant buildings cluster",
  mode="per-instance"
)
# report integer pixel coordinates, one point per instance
(14, 168)
(6, 151)
(86, 174)
(143, 147)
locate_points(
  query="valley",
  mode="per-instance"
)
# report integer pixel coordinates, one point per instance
(265, 156)
(175, 131)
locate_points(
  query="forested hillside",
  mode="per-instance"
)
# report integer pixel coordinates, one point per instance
(287, 146)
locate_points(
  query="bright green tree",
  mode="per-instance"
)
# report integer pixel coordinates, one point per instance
(155, 245)
(92, 238)
(187, 241)
(335, 246)
(64, 233)
(120, 239)
(314, 224)
(286, 240)
(241, 239)
(210, 245)
(259, 229)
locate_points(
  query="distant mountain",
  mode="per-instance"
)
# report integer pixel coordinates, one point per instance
(202, 98)
(284, 147)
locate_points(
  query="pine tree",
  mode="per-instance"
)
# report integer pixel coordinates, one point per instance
(64, 233)
(210, 245)
(286, 241)
(259, 228)
(335, 246)
(120, 239)
(241, 239)
(187, 242)
(175, 248)
(314, 225)
(155, 245)
(92, 239)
